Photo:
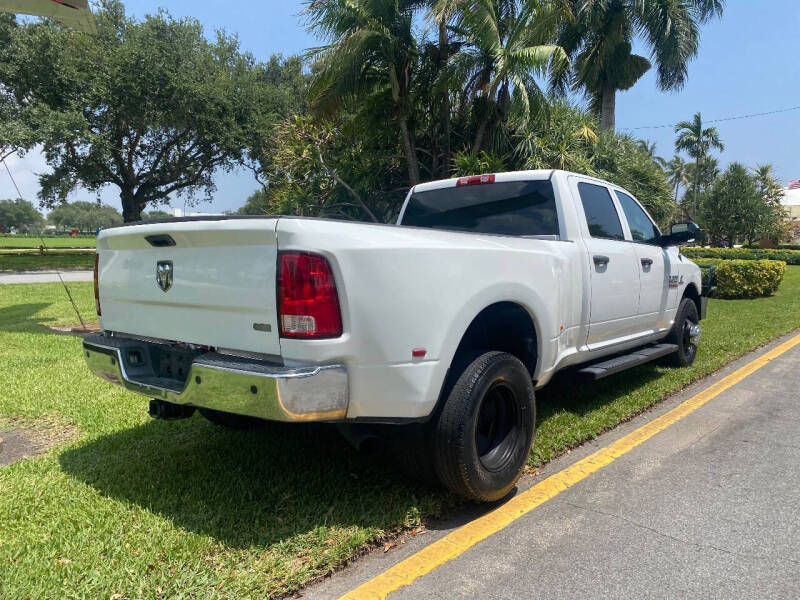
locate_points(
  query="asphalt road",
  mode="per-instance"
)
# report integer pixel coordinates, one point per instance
(45, 276)
(707, 508)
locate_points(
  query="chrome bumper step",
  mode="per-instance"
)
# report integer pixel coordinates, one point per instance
(226, 383)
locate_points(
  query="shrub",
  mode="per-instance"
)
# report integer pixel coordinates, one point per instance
(747, 278)
(466, 163)
(790, 257)
(706, 262)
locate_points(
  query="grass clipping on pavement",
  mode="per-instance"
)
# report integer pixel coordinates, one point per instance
(142, 508)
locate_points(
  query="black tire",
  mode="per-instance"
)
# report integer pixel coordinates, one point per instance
(484, 431)
(411, 445)
(232, 421)
(685, 318)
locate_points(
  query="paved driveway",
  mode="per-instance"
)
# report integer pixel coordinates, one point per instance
(45, 276)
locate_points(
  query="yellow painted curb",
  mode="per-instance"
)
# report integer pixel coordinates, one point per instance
(462, 539)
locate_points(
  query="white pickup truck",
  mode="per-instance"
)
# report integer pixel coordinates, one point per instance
(434, 331)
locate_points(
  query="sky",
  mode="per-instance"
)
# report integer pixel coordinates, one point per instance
(749, 62)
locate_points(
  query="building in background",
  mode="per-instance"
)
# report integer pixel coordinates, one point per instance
(791, 204)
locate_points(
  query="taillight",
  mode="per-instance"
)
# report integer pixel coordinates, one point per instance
(96, 285)
(475, 179)
(308, 306)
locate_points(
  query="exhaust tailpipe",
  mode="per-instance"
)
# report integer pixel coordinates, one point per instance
(362, 437)
(168, 411)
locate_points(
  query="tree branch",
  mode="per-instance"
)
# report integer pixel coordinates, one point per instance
(344, 184)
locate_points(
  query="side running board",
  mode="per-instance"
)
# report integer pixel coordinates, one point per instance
(627, 361)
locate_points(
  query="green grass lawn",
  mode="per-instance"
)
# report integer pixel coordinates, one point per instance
(182, 509)
(52, 260)
(34, 241)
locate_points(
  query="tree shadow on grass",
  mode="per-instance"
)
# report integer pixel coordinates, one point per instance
(246, 488)
(571, 392)
(16, 316)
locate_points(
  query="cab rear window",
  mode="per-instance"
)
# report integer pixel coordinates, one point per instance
(520, 208)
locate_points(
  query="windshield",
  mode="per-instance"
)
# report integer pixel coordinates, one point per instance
(507, 208)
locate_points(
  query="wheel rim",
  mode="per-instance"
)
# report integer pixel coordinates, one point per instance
(498, 426)
(691, 337)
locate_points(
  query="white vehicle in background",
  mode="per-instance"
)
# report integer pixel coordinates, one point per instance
(433, 332)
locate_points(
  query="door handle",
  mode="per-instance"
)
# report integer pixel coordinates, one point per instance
(600, 260)
(646, 262)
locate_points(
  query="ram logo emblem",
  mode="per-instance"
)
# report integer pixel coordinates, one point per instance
(164, 274)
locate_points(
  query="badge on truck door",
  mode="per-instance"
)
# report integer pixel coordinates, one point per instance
(675, 281)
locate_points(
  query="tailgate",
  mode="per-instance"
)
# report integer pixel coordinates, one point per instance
(222, 290)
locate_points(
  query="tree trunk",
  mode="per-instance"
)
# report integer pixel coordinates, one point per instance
(409, 150)
(479, 135)
(696, 184)
(608, 107)
(443, 55)
(399, 96)
(347, 186)
(131, 210)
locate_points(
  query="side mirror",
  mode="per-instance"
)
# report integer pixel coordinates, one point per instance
(680, 233)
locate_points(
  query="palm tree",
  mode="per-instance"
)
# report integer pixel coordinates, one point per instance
(372, 47)
(562, 139)
(763, 171)
(598, 37)
(650, 149)
(769, 187)
(507, 47)
(676, 174)
(697, 141)
(441, 12)
(706, 172)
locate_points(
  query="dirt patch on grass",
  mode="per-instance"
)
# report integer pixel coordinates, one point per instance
(77, 329)
(19, 441)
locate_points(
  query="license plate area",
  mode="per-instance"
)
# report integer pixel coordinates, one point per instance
(171, 363)
(158, 365)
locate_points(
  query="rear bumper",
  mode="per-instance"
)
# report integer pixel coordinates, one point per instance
(221, 382)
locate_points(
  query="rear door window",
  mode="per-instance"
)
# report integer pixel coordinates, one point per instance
(601, 214)
(518, 208)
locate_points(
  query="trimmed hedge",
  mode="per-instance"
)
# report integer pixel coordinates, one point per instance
(707, 262)
(746, 278)
(790, 257)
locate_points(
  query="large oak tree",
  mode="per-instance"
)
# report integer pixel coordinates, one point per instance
(18, 130)
(152, 107)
